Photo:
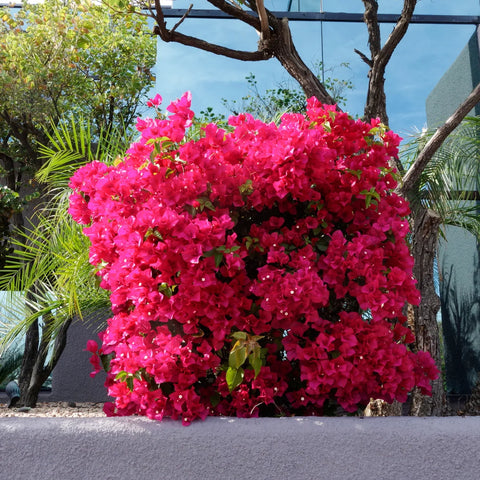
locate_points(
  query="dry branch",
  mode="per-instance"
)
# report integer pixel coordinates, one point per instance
(376, 105)
(171, 35)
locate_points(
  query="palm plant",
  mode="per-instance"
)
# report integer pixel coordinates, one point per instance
(50, 262)
(449, 183)
(11, 355)
(10, 362)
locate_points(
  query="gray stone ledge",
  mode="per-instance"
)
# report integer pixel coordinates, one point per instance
(241, 449)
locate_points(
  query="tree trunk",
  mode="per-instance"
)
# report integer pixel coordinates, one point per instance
(426, 225)
(376, 104)
(35, 370)
(286, 53)
(29, 357)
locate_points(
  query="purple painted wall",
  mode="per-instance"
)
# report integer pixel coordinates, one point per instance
(71, 381)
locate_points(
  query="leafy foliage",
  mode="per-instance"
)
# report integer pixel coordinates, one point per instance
(10, 361)
(272, 103)
(9, 204)
(449, 183)
(50, 262)
(60, 59)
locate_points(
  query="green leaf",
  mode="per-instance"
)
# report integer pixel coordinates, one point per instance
(322, 243)
(208, 204)
(356, 173)
(105, 360)
(154, 232)
(83, 42)
(239, 335)
(130, 383)
(121, 376)
(237, 356)
(246, 188)
(218, 258)
(205, 203)
(371, 197)
(234, 377)
(215, 399)
(255, 362)
(166, 289)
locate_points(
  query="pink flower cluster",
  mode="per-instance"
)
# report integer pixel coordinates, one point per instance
(256, 271)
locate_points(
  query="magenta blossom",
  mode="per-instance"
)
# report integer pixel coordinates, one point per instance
(257, 271)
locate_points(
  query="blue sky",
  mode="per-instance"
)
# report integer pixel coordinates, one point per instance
(424, 55)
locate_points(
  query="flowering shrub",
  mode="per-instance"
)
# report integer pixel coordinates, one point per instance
(259, 271)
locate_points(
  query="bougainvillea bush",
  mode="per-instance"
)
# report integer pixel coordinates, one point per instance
(258, 270)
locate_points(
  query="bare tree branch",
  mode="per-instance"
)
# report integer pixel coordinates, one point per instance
(376, 105)
(286, 53)
(238, 13)
(173, 36)
(398, 32)
(216, 49)
(413, 175)
(184, 16)
(275, 41)
(363, 57)
(262, 14)
(370, 18)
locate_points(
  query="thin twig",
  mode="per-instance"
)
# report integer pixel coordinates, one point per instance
(185, 15)
(364, 57)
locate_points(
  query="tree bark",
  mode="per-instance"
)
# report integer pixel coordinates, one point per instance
(426, 225)
(172, 35)
(284, 50)
(29, 357)
(35, 369)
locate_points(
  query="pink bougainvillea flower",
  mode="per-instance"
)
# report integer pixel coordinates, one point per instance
(257, 271)
(94, 359)
(155, 101)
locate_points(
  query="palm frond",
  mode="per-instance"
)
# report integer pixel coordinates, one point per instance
(48, 274)
(449, 183)
(10, 361)
(72, 145)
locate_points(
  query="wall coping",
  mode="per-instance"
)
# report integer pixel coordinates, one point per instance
(230, 448)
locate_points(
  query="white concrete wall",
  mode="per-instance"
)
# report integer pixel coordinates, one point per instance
(240, 449)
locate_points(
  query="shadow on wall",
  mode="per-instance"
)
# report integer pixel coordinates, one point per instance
(461, 329)
(71, 381)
